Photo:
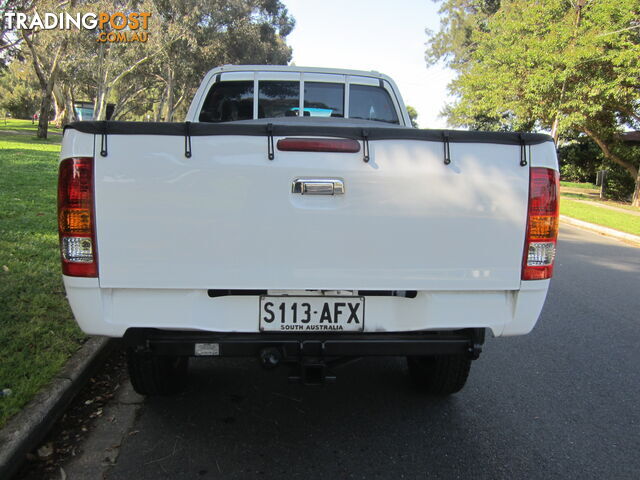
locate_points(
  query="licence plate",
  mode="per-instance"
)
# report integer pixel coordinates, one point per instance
(311, 314)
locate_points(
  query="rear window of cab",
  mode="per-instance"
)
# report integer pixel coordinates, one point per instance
(234, 100)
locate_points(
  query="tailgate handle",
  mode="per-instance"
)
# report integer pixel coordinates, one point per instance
(317, 186)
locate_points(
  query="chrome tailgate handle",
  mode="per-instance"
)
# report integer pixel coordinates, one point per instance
(317, 186)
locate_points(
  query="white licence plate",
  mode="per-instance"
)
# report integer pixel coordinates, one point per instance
(311, 314)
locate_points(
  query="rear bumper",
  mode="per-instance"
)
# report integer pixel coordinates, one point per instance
(294, 347)
(111, 311)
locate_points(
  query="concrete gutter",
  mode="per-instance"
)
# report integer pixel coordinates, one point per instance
(25, 431)
(606, 231)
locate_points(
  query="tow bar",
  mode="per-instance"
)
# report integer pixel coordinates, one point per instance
(312, 357)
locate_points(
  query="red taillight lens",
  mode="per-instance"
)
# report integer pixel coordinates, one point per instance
(340, 145)
(76, 219)
(542, 224)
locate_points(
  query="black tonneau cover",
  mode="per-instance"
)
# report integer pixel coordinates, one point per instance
(341, 128)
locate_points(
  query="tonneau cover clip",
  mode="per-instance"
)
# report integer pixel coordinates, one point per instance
(187, 139)
(365, 145)
(447, 151)
(270, 152)
(103, 140)
(523, 151)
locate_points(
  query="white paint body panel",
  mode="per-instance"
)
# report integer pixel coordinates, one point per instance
(170, 228)
(226, 217)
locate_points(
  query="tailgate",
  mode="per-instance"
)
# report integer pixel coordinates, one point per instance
(227, 218)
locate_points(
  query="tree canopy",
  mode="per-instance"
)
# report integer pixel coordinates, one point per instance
(413, 116)
(568, 67)
(143, 80)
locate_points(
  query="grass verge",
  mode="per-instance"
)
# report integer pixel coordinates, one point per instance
(37, 331)
(624, 222)
(590, 186)
(591, 198)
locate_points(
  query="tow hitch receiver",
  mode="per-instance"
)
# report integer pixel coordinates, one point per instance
(311, 374)
(305, 371)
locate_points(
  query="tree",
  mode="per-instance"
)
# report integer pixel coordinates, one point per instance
(19, 90)
(200, 34)
(9, 38)
(153, 79)
(46, 68)
(580, 160)
(567, 67)
(453, 43)
(186, 39)
(413, 116)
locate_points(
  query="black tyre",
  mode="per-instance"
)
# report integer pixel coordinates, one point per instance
(439, 374)
(157, 374)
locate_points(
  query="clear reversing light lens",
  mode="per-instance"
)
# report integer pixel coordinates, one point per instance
(77, 249)
(541, 254)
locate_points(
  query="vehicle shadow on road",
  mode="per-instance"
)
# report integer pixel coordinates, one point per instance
(238, 421)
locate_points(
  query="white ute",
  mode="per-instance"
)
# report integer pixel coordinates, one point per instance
(296, 216)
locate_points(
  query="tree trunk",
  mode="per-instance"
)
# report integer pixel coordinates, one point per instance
(43, 119)
(46, 84)
(45, 105)
(160, 107)
(58, 109)
(170, 96)
(101, 81)
(100, 110)
(61, 107)
(70, 104)
(636, 193)
(100, 105)
(554, 130)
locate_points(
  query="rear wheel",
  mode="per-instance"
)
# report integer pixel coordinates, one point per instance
(439, 374)
(157, 374)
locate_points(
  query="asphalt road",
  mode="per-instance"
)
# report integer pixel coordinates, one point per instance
(562, 402)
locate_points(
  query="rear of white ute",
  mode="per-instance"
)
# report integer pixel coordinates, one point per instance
(304, 241)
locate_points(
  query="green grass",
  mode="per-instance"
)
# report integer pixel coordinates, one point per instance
(37, 331)
(624, 222)
(578, 185)
(612, 203)
(21, 125)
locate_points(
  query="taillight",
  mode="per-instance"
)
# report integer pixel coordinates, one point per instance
(542, 224)
(341, 145)
(76, 223)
